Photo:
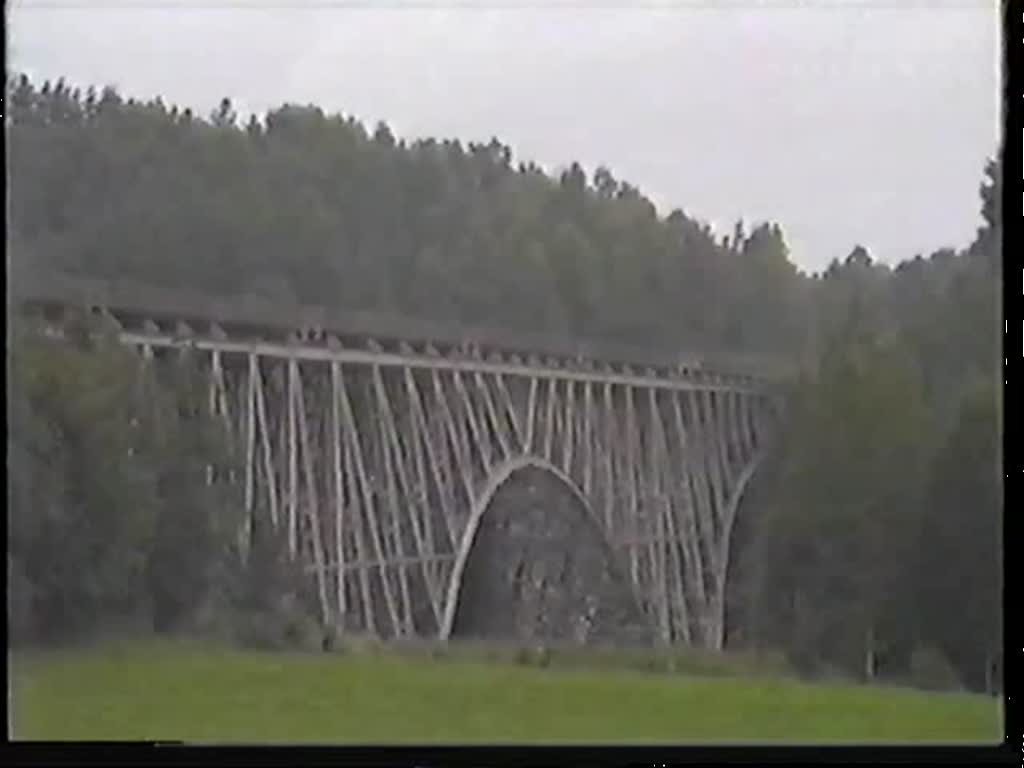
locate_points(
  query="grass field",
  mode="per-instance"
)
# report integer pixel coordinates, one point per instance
(175, 690)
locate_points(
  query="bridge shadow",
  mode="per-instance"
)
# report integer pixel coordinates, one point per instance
(536, 568)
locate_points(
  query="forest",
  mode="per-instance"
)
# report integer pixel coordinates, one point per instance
(872, 547)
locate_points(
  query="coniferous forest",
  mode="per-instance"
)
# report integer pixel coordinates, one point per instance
(871, 544)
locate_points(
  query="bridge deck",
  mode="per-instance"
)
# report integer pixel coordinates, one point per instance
(165, 318)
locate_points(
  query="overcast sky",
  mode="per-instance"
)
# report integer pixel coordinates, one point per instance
(865, 122)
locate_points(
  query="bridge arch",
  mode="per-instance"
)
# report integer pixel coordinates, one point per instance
(729, 546)
(627, 603)
(736, 496)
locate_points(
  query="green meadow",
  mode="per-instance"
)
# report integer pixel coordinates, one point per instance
(195, 693)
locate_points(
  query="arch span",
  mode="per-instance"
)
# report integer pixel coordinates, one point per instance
(738, 492)
(587, 551)
(721, 618)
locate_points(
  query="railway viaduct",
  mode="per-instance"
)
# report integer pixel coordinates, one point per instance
(437, 484)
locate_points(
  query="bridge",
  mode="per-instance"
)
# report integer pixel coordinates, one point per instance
(440, 484)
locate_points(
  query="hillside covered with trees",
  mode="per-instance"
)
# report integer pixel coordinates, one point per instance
(873, 544)
(303, 206)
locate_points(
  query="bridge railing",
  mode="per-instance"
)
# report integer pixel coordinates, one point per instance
(261, 314)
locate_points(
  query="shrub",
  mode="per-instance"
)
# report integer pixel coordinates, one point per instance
(19, 602)
(260, 630)
(355, 642)
(931, 670)
(302, 632)
(542, 656)
(281, 627)
(523, 657)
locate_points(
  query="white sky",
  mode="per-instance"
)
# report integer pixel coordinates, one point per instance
(845, 122)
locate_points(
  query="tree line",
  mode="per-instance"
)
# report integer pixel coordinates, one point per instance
(317, 209)
(877, 546)
(874, 547)
(125, 502)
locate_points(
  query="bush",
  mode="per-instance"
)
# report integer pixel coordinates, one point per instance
(261, 630)
(19, 602)
(302, 632)
(931, 670)
(282, 626)
(542, 656)
(355, 642)
(680, 660)
(523, 657)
